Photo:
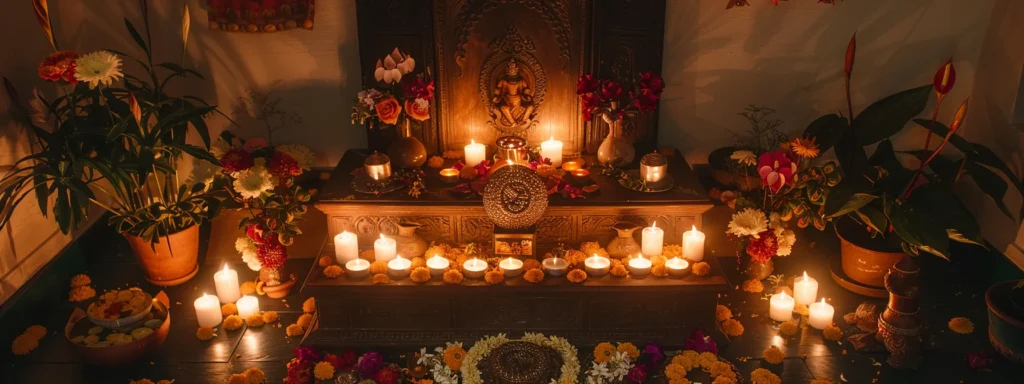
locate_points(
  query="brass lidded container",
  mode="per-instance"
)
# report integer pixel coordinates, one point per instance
(378, 166)
(653, 167)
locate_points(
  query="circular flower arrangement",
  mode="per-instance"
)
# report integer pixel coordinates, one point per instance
(570, 369)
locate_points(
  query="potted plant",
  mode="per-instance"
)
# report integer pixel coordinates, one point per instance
(1005, 303)
(116, 144)
(606, 99)
(736, 165)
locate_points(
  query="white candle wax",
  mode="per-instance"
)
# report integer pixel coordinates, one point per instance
(676, 266)
(384, 249)
(821, 314)
(475, 153)
(693, 245)
(805, 290)
(247, 305)
(555, 266)
(653, 239)
(207, 311)
(474, 268)
(346, 247)
(437, 265)
(399, 266)
(226, 283)
(781, 307)
(552, 149)
(639, 266)
(357, 268)
(597, 265)
(511, 266)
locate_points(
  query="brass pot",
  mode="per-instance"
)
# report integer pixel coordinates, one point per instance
(623, 244)
(172, 261)
(861, 264)
(758, 270)
(407, 151)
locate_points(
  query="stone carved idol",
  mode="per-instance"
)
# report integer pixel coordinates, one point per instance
(512, 107)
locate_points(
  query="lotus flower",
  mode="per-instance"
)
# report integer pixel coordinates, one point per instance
(776, 169)
(391, 69)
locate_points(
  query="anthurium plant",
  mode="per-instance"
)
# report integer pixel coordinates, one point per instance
(916, 202)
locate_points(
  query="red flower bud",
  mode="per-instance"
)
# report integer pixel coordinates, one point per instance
(945, 78)
(851, 52)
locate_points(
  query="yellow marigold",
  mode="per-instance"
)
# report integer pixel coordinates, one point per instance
(254, 320)
(753, 286)
(764, 376)
(36, 331)
(789, 328)
(255, 375)
(604, 352)
(672, 250)
(228, 309)
(369, 255)
(576, 276)
(309, 306)
(707, 359)
(529, 264)
(205, 333)
(720, 368)
(379, 266)
(326, 261)
(381, 278)
(675, 372)
(233, 322)
(833, 333)
(238, 378)
(452, 154)
(294, 330)
(688, 359)
(534, 275)
(732, 327)
(724, 380)
(305, 320)
(629, 349)
(453, 356)
(619, 270)
(773, 355)
(333, 271)
(80, 280)
(437, 249)
(494, 276)
(961, 325)
(435, 162)
(722, 313)
(418, 262)
(23, 344)
(420, 275)
(248, 288)
(701, 268)
(589, 247)
(270, 317)
(323, 371)
(452, 276)
(659, 270)
(805, 148)
(659, 259)
(82, 293)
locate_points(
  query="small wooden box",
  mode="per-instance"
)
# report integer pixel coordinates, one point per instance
(511, 242)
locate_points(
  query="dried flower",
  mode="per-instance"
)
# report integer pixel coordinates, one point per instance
(764, 376)
(701, 268)
(333, 271)
(961, 325)
(381, 278)
(789, 328)
(773, 355)
(81, 293)
(270, 317)
(576, 276)
(323, 371)
(379, 266)
(233, 322)
(494, 276)
(732, 327)
(254, 320)
(833, 333)
(452, 276)
(80, 280)
(534, 275)
(100, 67)
(228, 309)
(294, 330)
(753, 286)
(205, 333)
(722, 313)
(453, 356)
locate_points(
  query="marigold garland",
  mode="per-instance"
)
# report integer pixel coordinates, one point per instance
(629, 349)
(789, 328)
(675, 372)
(494, 276)
(453, 356)
(833, 333)
(724, 380)
(420, 275)
(701, 268)
(294, 330)
(381, 278)
(773, 355)
(687, 359)
(732, 327)
(203, 333)
(604, 352)
(309, 306)
(270, 317)
(323, 371)
(706, 360)
(255, 375)
(304, 320)
(753, 286)
(378, 267)
(961, 325)
(333, 271)
(534, 275)
(248, 288)
(325, 261)
(529, 264)
(452, 276)
(764, 376)
(238, 378)
(254, 320)
(80, 280)
(659, 270)
(576, 276)
(228, 309)
(722, 313)
(233, 322)
(722, 369)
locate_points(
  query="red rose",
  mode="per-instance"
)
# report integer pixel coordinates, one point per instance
(58, 66)
(417, 109)
(764, 247)
(236, 159)
(587, 84)
(651, 83)
(610, 90)
(283, 166)
(418, 89)
(388, 110)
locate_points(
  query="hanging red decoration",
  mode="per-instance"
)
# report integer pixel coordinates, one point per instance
(259, 15)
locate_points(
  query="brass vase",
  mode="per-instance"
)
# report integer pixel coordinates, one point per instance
(407, 151)
(759, 270)
(616, 150)
(623, 244)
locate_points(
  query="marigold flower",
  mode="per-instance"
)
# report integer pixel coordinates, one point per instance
(833, 333)
(36, 331)
(675, 372)
(238, 378)
(961, 325)
(680, 381)
(452, 276)
(822, 382)
(204, 333)
(81, 293)
(688, 359)
(247, 288)
(659, 270)
(732, 327)
(255, 375)
(228, 309)
(381, 278)
(420, 275)
(378, 267)
(323, 371)
(333, 271)
(724, 380)
(309, 306)
(576, 276)
(494, 276)
(672, 250)
(305, 320)
(417, 262)
(254, 320)
(23, 344)
(722, 313)
(453, 356)
(80, 280)
(294, 330)
(773, 355)
(604, 352)
(233, 322)
(369, 255)
(764, 376)
(753, 286)
(629, 349)
(804, 147)
(141, 381)
(270, 317)
(619, 270)
(706, 359)
(435, 162)
(324, 261)
(701, 269)
(534, 275)
(721, 369)
(589, 247)
(529, 264)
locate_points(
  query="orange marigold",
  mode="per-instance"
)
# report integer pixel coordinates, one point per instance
(833, 333)
(732, 327)
(789, 328)
(529, 264)
(659, 270)
(294, 330)
(254, 320)
(23, 344)
(305, 320)
(233, 322)
(309, 306)
(764, 376)
(417, 262)
(435, 162)
(80, 280)
(629, 349)
(420, 275)
(247, 288)
(228, 309)
(323, 371)
(325, 261)
(672, 250)
(604, 352)
(720, 368)
(961, 325)
(333, 271)
(369, 255)
(675, 372)
(707, 359)
(722, 313)
(534, 275)
(753, 286)
(590, 247)
(619, 270)
(82, 293)
(238, 378)
(453, 356)
(701, 268)
(205, 333)
(688, 359)
(453, 276)
(658, 259)
(576, 276)
(773, 355)
(379, 266)
(36, 331)
(724, 380)
(494, 276)
(141, 381)
(381, 278)
(822, 382)
(255, 375)
(270, 317)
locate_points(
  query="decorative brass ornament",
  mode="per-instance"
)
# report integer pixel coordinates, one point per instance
(512, 83)
(514, 197)
(520, 362)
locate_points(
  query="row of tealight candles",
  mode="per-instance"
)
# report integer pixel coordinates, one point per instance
(228, 291)
(805, 292)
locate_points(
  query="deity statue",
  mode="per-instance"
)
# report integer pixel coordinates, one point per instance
(512, 99)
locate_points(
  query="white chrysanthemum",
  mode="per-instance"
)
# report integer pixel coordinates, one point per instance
(252, 182)
(251, 259)
(744, 157)
(100, 67)
(244, 243)
(300, 153)
(786, 241)
(748, 222)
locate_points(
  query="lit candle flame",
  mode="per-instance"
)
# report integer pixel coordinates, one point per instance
(510, 162)
(823, 300)
(654, 224)
(382, 236)
(225, 267)
(694, 228)
(805, 276)
(472, 142)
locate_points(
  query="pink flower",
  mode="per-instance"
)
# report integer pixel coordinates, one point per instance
(776, 169)
(254, 144)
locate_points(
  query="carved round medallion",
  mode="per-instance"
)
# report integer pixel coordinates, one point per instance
(519, 362)
(514, 197)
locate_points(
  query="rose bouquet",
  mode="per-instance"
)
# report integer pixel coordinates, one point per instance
(607, 99)
(396, 97)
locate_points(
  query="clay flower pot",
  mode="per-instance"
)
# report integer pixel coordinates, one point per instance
(865, 260)
(1005, 323)
(172, 261)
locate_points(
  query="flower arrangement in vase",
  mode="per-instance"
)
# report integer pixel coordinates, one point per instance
(606, 98)
(736, 165)
(397, 99)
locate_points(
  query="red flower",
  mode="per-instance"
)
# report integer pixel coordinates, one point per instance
(417, 109)
(236, 159)
(344, 361)
(272, 254)
(388, 110)
(610, 90)
(418, 89)
(651, 83)
(945, 77)
(58, 66)
(590, 103)
(298, 372)
(387, 376)
(646, 101)
(762, 248)
(255, 233)
(776, 169)
(283, 166)
(587, 84)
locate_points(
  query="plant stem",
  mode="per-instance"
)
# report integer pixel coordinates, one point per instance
(935, 115)
(927, 142)
(849, 101)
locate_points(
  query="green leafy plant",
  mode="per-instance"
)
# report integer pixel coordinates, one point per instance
(763, 134)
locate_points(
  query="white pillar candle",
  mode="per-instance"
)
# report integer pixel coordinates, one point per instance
(552, 149)
(511, 266)
(653, 239)
(226, 282)
(597, 265)
(555, 266)
(247, 305)
(639, 266)
(437, 265)
(821, 314)
(207, 311)
(357, 269)
(475, 153)
(399, 266)
(676, 266)
(805, 290)
(384, 249)
(781, 307)
(346, 247)
(474, 268)
(693, 245)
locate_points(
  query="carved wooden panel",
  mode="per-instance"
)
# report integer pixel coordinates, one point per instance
(399, 313)
(369, 228)
(518, 313)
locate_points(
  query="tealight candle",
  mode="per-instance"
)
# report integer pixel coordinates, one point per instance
(555, 266)
(580, 173)
(226, 282)
(693, 244)
(346, 247)
(677, 267)
(821, 314)
(247, 305)
(437, 265)
(781, 307)
(597, 265)
(475, 153)
(552, 149)
(449, 175)
(399, 266)
(207, 311)
(653, 238)
(511, 266)
(639, 266)
(570, 166)
(474, 268)
(385, 249)
(357, 269)
(805, 290)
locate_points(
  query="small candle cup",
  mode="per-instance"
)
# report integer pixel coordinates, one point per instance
(570, 166)
(437, 265)
(449, 176)
(207, 310)
(805, 290)
(385, 249)
(639, 266)
(474, 268)
(399, 267)
(378, 167)
(677, 267)
(781, 307)
(247, 305)
(821, 314)
(653, 167)
(511, 266)
(357, 269)
(555, 266)
(511, 148)
(597, 266)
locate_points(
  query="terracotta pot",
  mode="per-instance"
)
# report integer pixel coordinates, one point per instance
(281, 290)
(1005, 327)
(273, 282)
(172, 261)
(759, 271)
(865, 260)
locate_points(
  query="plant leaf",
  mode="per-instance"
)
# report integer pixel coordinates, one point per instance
(990, 184)
(136, 36)
(185, 23)
(884, 118)
(43, 18)
(847, 196)
(826, 130)
(874, 218)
